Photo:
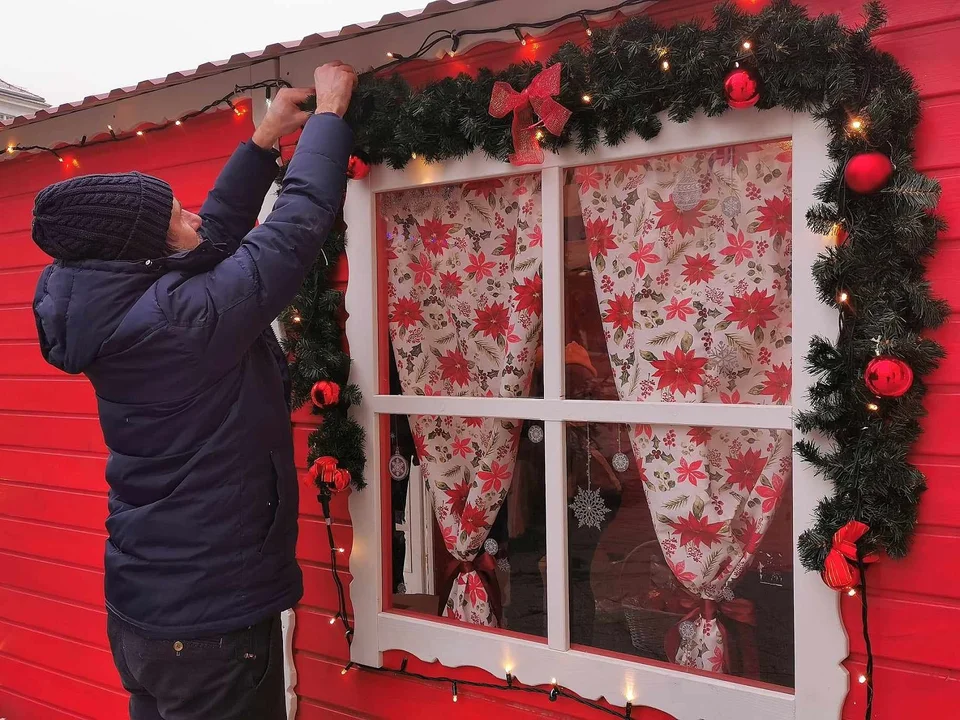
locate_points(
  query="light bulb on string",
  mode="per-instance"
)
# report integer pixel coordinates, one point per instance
(587, 99)
(520, 37)
(346, 668)
(586, 26)
(852, 592)
(856, 125)
(333, 620)
(862, 679)
(747, 45)
(873, 407)
(178, 123)
(539, 135)
(11, 149)
(455, 698)
(139, 133)
(665, 65)
(843, 297)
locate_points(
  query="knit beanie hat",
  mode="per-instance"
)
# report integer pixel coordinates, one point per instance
(104, 217)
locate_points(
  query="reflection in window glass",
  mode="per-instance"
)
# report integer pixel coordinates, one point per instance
(469, 540)
(680, 546)
(686, 260)
(464, 286)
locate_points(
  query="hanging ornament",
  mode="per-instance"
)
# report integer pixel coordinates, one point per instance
(325, 393)
(535, 434)
(731, 206)
(867, 173)
(491, 547)
(398, 465)
(620, 461)
(742, 88)
(357, 168)
(687, 193)
(840, 571)
(402, 589)
(588, 507)
(888, 377)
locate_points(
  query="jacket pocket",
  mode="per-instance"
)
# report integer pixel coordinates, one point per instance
(280, 502)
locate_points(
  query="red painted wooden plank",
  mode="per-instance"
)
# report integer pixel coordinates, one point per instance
(17, 324)
(58, 470)
(904, 692)
(77, 547)
(24, 359)
(17, 288)
(94, 664)
(51, 432)
(938, 138)
(73, 395)
(313, 544)
(56, 688)
(948, 373)
(939, 436)
(13, 705)
(17, 211)
(949, 207)
(81, 585)
(904, 630)
(319, 590)
(310, 710)
(912, 574)
(61, 507)
(17, 249)
(928, 52)
(940, 505)
(66, 619)
(314, 632)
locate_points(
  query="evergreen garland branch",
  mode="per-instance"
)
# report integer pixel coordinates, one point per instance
(811, 65)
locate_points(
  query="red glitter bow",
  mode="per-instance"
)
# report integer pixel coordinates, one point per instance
(483, 565)
(742, 655)
(839, 572)
(537, 98)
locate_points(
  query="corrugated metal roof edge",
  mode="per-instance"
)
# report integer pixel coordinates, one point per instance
(274, 50)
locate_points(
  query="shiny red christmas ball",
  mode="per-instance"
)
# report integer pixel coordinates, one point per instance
(888, 377)
(357, 169)
(868, 172)
(742, 87)
(325, 393)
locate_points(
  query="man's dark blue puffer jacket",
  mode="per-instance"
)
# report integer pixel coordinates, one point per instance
(193, 394)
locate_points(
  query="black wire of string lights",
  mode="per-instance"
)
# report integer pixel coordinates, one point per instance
(454, 36)
(115, 136)
(430, 41)
(554, 693)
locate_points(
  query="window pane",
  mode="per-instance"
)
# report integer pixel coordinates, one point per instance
(469, 537)
(464, 286)
(678, 277)
(680, 546)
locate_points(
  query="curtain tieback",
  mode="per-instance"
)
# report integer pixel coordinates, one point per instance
(741, 643)
(486, 569)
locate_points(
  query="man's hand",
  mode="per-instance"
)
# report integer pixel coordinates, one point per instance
(283, 117)
(335, 82)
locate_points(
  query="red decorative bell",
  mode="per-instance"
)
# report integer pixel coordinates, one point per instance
(742, 87)
(888, 377)
(867, 173)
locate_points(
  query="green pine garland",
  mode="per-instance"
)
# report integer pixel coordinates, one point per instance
(807, 65)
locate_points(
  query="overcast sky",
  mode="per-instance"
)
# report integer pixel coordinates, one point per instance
(65, 50)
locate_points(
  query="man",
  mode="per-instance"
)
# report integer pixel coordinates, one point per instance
(168, 314)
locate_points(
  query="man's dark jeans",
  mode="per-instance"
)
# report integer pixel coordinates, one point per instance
(236, 676)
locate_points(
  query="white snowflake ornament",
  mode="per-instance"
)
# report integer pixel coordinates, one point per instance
(589, 508)
(620, 462)
(399, 467)
(535, 433)
(491, 546)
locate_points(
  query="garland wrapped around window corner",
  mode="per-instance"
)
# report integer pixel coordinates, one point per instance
(868, 400)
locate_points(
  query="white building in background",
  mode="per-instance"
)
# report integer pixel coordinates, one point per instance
(16, 101)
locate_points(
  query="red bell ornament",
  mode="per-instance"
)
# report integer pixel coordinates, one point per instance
(867, 173)
(357, 168)
(888, 377)
(742, 87)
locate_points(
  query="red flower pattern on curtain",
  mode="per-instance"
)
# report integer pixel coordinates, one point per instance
(465, 296)
(691, 262)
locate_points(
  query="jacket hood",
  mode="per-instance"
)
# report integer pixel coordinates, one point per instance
(78, 306)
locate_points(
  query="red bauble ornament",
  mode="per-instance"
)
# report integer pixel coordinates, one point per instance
(357, 169)
(888, 377)
(340, 480)
(742, 87)
(325, 393)
(868, 172)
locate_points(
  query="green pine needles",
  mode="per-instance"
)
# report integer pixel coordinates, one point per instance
(812, 65)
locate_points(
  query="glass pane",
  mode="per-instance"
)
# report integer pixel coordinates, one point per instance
(464, 286)
(469, 537)
(680, 546)
(678, 277)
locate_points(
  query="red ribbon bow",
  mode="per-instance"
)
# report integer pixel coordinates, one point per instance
(742, 656)
(838, 572)
(484, 566)
(537, 98)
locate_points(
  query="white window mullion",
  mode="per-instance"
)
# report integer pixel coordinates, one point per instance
(553, 305)
(558, 596)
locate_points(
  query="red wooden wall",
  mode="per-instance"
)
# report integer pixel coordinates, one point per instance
(54, 661)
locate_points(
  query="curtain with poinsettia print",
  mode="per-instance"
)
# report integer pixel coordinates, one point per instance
(691, 262)
(465, 306)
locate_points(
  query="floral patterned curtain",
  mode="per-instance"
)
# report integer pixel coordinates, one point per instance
(691, 262)
(465, 306)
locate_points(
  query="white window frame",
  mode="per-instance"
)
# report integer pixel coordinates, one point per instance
(820, 641)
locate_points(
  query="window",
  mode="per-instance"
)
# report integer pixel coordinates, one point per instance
(593, 367)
